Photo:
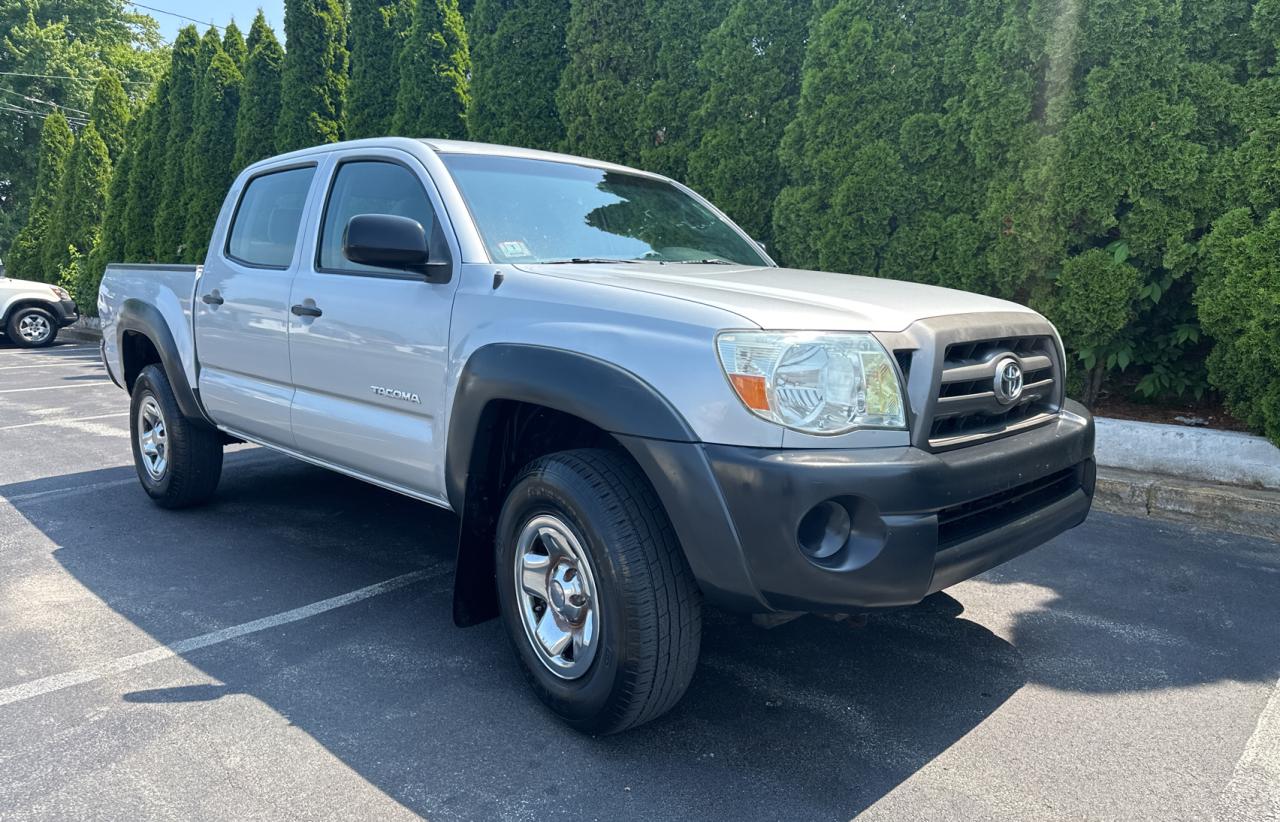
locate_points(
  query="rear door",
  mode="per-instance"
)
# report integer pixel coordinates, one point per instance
(242, 306)
(368, 346)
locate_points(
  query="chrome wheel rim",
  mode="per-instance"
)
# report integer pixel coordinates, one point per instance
(153, 441)
(557, 596)
(34, 328)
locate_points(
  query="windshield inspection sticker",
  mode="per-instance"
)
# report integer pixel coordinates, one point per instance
(514, 248)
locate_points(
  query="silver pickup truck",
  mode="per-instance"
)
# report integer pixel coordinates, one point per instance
(630, 406)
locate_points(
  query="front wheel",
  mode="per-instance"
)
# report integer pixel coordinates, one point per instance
(178, 461)
(596, 596)
(32, 328)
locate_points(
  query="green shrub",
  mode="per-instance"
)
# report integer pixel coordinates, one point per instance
(1239, 301)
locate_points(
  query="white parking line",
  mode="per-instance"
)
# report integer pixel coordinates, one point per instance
(74, 350)
(63, 421)
(1254, 790)
(58, 682)
(55, 387)
(63, 364)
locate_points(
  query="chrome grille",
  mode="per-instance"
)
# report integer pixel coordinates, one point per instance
(966, 408)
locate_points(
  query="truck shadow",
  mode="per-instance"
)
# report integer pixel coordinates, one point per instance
(809, 720)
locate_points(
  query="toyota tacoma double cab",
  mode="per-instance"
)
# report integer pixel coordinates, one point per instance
(633, 410)
(32, 313)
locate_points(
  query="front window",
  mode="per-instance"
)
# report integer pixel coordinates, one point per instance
(539, 211)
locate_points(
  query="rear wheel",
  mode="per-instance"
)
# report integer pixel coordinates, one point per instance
(32, 328)
(179, 462)
(596, 596)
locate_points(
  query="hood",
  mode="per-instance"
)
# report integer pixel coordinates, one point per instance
(789, 298)
(29, 285)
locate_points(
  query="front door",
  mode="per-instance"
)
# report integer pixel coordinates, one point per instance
(242, 307)
(368, 346)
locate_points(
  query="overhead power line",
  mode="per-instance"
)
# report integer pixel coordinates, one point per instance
(176, 14)
(67, 77)
(8, 108)
(30, 99)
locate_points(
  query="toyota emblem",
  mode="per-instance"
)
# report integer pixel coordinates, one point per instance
(1008, 381)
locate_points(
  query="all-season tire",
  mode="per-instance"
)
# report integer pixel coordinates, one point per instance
(190, 453)
(647, 604)
(31, 327)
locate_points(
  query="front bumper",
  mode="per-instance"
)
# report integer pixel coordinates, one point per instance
(922, 521)
(65, 312)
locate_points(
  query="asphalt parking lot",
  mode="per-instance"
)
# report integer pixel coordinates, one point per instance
(288, 652)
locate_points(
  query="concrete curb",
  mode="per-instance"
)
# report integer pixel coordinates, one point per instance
(85, 329)
(1202, 454)
(1249, 511)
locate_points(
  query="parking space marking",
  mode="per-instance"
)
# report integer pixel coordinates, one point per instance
(55, 387)
(65, 362)
(1254, 789)
(63, 421)
(73, 350)
(58, 682)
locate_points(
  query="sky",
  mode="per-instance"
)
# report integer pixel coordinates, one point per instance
(217, 12)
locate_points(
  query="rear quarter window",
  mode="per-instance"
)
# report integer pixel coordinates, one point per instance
(264, 230)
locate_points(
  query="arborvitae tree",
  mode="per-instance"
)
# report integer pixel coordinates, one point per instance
(255, 136)
(259, 29)
(212, 147)
(314, 74)
(233, 44)
(752, 61)
(378, 29)
(434, 68)
(518, 52)
(110, 247)
(677, 29)
(210, 45)
(110, 112)
(862, 132)
(26, 257)
(606, 80)
(81, 203)
(170, 216)
(145, 177)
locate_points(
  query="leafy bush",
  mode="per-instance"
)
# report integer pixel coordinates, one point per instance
(1239, 300)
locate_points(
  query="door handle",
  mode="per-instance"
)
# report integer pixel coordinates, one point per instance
(212, 298)
(306, 311)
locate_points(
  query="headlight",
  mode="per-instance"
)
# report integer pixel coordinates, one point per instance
(819, 383)
(61, 293)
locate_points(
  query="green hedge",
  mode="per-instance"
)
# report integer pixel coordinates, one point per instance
(1111, 163)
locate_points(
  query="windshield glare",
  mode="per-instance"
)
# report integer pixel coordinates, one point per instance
(539, 211)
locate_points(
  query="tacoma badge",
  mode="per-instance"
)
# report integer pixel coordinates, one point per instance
(395, 394)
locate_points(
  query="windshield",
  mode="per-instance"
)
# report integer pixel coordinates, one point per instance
(539, 211)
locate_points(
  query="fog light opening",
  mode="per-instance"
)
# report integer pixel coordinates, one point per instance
(824, 530)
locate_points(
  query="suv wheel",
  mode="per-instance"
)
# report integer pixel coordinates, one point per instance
(596, 596)
(178, 461)
(31, 328)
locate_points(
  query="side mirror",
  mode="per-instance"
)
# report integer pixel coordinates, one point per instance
(388, 241)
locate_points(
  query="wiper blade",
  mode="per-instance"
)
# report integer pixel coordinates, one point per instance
(707, 261)
(583, 261)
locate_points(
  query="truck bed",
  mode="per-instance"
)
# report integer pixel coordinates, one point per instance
(166, 288)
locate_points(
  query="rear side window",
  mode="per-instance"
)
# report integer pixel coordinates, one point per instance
(374, 187)
(265, 228)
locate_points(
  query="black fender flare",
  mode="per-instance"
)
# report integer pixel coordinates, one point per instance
(609, 397)
(142, 318)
